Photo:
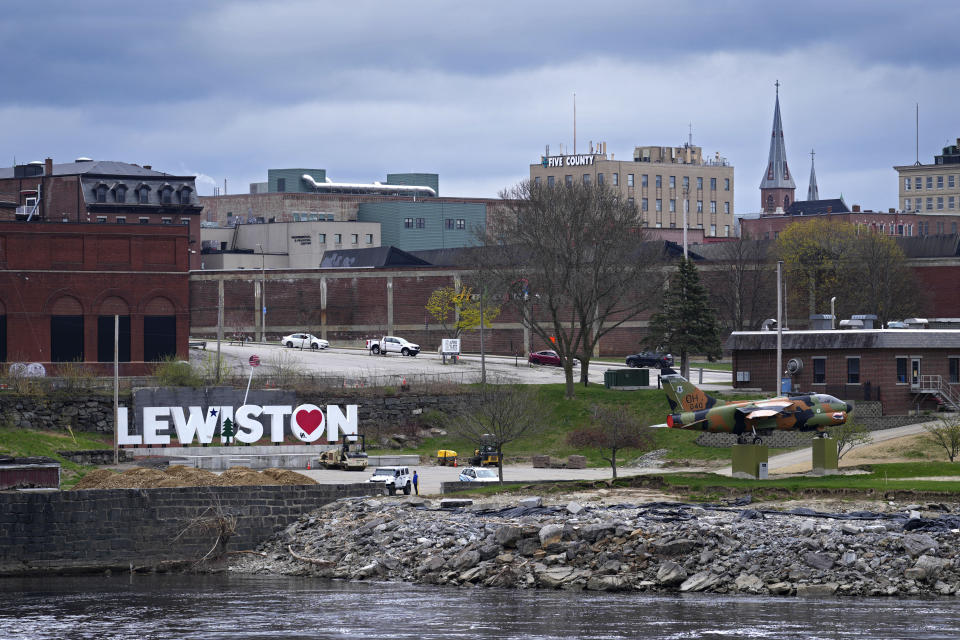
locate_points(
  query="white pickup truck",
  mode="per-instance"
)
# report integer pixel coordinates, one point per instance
(392, 344)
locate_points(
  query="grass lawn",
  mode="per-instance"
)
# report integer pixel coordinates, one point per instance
(563, 416)
(716, 366)
(882, 477)
(27, 442)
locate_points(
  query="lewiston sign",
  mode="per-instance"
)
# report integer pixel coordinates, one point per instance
(307, 422)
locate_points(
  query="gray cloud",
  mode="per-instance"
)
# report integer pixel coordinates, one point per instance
(229, 89)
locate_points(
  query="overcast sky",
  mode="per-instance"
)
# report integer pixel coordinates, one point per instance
(227, 90)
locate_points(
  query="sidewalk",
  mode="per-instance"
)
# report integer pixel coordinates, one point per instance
(805, 456)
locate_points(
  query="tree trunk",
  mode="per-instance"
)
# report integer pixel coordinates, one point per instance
(568, 374)
(613, 463)
(585, 372)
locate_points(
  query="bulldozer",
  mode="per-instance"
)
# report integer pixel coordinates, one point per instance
(487, 454)
(350, 456)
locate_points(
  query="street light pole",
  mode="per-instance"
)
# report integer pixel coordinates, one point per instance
(263, 294)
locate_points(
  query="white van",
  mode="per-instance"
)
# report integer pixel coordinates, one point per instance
(393, 478)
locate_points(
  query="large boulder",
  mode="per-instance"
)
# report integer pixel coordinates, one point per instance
(926, 568)
(551, 535)
(700, 581)
(508, 535)
(671, 574)
(821, 561)
(916, 544)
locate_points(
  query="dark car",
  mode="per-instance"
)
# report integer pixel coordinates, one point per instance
(547, 357)
(650, 359)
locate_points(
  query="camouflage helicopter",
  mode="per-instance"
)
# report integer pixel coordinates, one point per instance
(694, 409)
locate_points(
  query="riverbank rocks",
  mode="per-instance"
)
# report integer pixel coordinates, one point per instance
(655, 547)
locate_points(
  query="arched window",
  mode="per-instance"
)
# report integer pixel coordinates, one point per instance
(770, 203)
(166, 194)
(786, 202)
(185, 195)
(143, 194)
(120, 193)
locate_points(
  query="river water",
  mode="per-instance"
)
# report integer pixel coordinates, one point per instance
(232, 607)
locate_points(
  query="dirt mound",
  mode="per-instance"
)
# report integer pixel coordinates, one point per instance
(287, 477)
(242, 477)
(94, 479)
(180, 476)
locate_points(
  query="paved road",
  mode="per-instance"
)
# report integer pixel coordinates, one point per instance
(359, 363)
(432, 476)
(805, 456)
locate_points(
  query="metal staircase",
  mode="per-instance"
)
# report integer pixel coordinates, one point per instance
(936, 387)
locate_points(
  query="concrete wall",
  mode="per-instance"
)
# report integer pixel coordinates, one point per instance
(95, 529)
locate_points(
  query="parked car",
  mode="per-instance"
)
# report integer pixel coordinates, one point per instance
(650, 359)
(393, 344)
(304, 341)
(547, 356)
(478, 474)
(393, 478)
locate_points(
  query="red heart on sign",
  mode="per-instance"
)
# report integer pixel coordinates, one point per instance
(310, 420)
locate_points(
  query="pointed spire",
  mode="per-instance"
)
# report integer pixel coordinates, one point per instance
(777, 175)
(812, 192)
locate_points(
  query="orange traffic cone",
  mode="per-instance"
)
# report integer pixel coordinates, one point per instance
(454, 462)
(308, 465)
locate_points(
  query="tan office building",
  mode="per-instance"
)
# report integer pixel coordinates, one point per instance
(662, 181)
(932, 189)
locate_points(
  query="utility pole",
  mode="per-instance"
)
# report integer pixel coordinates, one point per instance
(219, 323)
(263, 293)
(779, 326)
(116, 387)
(483, 358)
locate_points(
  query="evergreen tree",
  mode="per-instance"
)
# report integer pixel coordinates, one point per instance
(686, 323)
(227, 430)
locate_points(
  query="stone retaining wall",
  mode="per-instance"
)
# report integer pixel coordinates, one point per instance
(93, 456)
(95, 529)
(80, 412)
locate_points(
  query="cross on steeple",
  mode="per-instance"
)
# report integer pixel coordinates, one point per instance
(777, 85)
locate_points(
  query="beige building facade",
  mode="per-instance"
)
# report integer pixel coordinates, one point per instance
(932, 189)
(283, 245)
(663, 182)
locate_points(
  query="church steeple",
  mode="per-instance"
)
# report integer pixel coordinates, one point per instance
(777, 187)
(812, 192)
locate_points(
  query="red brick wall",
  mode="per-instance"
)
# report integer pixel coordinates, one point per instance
(878, 368)
(90, 263)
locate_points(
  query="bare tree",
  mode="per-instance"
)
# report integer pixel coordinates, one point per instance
(946, 434)
(573, 265)
(498, 415)
(848, 435)
(613, 429)
(745, 288)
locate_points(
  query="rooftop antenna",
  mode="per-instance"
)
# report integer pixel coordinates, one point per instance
(574, 123)
(690, 134)
(917, 138)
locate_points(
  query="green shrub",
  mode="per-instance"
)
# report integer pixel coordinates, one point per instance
(171, 372)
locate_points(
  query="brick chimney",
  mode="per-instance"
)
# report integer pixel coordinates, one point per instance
(48, 167)
(147, 167)
(856, 208)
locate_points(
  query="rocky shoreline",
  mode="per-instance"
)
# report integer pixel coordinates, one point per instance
(653, 547)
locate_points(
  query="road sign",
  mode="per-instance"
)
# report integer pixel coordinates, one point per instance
(449, 346)
(254, 361)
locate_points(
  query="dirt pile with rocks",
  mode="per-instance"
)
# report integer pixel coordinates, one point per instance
(180, 476)
(653, 547)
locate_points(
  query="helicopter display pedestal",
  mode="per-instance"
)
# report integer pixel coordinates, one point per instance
(750, 461)
(825, 458)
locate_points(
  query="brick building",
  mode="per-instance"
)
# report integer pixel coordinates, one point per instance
(89, 191)
(61, 285)
(904, 369)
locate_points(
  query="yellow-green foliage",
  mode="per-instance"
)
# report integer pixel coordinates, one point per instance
(458, 310)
